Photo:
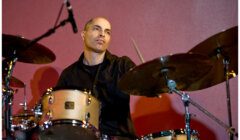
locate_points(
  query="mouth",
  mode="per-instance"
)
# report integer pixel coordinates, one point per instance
(100, 41)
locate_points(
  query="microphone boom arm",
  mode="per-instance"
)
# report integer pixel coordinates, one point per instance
(48, 33)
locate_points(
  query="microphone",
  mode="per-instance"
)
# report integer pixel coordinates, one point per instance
(71, 17)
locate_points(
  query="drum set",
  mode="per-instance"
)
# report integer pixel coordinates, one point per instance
(211, 62)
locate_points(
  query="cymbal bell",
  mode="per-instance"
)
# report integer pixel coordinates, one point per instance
(149, 79)
(35, 53)
(219, 47)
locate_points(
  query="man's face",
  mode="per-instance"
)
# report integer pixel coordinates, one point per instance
(97, 36)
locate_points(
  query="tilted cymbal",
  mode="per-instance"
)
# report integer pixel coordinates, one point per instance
(148, 79)
(35, 53)
(218, 47)
(14, 82)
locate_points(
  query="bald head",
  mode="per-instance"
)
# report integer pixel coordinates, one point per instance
(96, 35)
(92, 20)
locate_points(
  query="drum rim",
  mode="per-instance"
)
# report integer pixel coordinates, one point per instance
(71, 88)
(72, 122)
(52, 90)
(170, 132)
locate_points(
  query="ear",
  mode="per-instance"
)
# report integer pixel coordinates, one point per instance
(83, 35)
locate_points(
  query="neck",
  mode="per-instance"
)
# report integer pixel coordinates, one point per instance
(92, 58)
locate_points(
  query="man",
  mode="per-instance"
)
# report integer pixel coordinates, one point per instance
(100, 71)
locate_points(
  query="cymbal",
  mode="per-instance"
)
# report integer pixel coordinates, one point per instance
(24, 118)
(148, 79)
(14, 82)
(25, 113)
(36, 53)
(223, 45)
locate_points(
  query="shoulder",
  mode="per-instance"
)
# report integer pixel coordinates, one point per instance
(113, 57)
(74, 66)
(70, 68)
(67, 74)
(123, 62)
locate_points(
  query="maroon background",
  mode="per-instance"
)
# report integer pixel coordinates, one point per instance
(159, 27)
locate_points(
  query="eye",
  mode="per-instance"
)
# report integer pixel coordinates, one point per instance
(96, 28)
(108, 32)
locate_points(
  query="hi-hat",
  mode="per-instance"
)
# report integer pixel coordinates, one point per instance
(24, 121)
(25, 113)
(218, 47)
(35, 53)
(149, 79)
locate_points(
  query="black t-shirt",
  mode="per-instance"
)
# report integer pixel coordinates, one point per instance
(102, 80)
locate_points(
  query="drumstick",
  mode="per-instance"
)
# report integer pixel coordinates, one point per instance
(141, 57)
(138, 51)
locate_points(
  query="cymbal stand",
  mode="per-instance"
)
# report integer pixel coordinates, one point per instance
(8, 95)
(172, 87)
(24, 104)
(185, 98)
(227, 74)
(220, 53)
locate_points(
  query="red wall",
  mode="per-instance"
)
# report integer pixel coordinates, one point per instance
(159, 28)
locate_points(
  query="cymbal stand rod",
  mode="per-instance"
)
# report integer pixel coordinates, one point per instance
(24, 104)
(226, 72)
(25, 100)
(171, 85)
(185, 98)
(164, 72)
(11, 65)
(8, 96)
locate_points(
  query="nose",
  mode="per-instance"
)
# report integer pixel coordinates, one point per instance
(102, 33)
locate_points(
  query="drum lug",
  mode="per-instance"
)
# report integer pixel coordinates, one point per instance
(49, 114)
(87, 117)
(150, 137)
(46, 125)
(50, 100)
(89, 100)
(49, 91)
(86, 121)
